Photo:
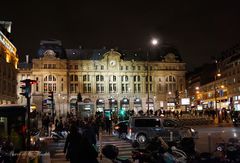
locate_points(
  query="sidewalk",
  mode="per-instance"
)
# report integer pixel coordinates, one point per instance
(216, 124)
(223, 123)
(63, 160)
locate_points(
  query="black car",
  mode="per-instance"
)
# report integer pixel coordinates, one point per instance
(236, 118)
(120, 129)
(144, 128)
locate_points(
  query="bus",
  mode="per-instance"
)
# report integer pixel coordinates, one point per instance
(13, 126)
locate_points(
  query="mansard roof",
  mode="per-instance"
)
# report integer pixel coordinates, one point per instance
(157, 54)
(24, 65)
(85, 54)
(51, 44)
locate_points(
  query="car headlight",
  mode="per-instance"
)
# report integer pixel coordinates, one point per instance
(192, 130)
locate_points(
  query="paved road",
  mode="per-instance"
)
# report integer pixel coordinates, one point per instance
(56, 152)
(125, 148)
(208, 137)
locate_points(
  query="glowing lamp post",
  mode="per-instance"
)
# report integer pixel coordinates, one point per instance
(154, 42)
(215, 96)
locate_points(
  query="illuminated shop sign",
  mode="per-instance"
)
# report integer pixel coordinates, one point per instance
(7, 43)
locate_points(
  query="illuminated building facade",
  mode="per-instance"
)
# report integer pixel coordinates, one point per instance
(217, 86)
(230, 76)
(8, 65)
(106, 79)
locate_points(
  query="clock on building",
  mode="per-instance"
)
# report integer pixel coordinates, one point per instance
(112, 63)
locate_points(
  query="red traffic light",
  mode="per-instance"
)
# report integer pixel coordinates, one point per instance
(26, 87)
(33, 82)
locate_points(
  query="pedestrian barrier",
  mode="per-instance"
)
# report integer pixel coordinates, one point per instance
(195, 121)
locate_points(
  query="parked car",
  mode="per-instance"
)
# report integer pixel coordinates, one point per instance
(144, 128)
(120, 129)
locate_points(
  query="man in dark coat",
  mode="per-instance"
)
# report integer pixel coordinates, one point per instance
(78, 148)
(89, 133)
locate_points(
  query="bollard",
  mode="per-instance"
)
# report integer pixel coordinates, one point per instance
(100, 146)
(171, 136)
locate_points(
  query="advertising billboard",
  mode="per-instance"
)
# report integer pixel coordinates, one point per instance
(185, 101)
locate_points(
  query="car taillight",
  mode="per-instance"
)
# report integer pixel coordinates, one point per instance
(129, 130)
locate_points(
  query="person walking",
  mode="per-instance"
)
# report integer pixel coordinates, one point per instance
(46, 122)
(89, 133)
(108, 122)
(78, 149)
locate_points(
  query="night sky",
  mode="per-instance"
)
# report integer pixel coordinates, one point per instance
(199, 29)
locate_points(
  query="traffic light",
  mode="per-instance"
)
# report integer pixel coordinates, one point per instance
(26, 92)
(122, 112)
(27, 87)
(50, 96)
(177, 98)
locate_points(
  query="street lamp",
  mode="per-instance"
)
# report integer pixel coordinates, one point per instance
(59, 103)
(154, 42)
(63, 108)
(215, 94)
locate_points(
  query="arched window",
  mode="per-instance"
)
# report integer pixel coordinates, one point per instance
(74, 83)
(171, 85)
(49, 83)
(86, 77)
(112, 84)
(149, 83)
(99, 78)
(160, 85)
(73, 78)
(124, 78)
(100, 84)
(137, 84)
(87, 87)
(113, 78)
(125, 84)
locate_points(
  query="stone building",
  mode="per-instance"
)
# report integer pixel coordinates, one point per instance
(8, 65)
(218, 84)
(106, 79)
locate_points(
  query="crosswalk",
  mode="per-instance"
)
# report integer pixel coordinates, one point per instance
(56, 152)
(125, 148)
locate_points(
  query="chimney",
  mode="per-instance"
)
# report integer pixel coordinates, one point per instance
(27, 58)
